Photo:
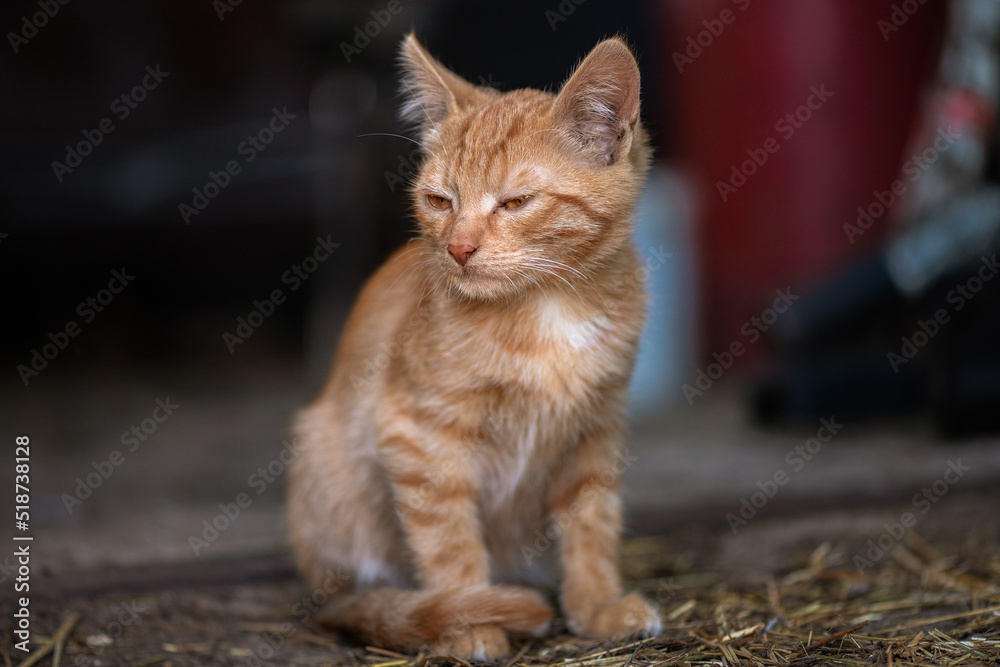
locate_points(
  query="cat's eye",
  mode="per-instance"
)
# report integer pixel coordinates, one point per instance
(438, 202)
(515, 202)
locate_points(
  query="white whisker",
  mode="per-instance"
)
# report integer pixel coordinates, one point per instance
(550, 264)
(546, 270)
(390, 134)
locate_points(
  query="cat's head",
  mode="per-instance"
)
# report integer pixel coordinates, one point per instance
(527, 188)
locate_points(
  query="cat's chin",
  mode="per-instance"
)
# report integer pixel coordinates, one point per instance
(476, 286)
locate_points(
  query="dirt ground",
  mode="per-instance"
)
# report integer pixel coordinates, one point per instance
(256, 611)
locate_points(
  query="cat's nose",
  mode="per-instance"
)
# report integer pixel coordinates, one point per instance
(461, 253)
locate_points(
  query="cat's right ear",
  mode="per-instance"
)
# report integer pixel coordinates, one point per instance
(431, 91)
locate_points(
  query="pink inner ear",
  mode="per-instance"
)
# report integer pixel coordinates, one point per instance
(603, 137)
(600, 102)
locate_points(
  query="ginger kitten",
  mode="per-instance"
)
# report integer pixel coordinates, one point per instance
(478, 393)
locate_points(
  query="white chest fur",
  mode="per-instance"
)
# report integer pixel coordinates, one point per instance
(568, 327)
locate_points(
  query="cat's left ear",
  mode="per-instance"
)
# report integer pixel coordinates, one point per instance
(431, 91)
(599, 104)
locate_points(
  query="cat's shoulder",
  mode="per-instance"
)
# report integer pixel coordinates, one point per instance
(386, 302)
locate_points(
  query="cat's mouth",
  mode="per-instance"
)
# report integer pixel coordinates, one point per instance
(469, 274)
(472, 269)
(481, 282)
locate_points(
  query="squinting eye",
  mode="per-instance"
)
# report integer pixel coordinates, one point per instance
(437, 202)
(515, 202)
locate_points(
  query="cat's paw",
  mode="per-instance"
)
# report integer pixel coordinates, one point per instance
(631, 616)
(478, 642)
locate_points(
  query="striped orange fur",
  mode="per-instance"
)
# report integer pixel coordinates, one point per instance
(476, 408)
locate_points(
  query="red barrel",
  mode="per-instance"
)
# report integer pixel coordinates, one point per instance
(790, 115)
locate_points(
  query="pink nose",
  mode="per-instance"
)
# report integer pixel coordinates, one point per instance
(461, 253)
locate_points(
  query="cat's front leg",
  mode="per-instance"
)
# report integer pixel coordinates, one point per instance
(436, 495)
(585, 502)
(435, 498)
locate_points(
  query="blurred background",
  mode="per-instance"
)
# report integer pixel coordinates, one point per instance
(192, 193)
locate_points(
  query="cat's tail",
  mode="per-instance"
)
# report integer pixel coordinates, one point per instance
(413, 620)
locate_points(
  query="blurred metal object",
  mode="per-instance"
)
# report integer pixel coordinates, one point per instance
(963, 101)
(946, 241)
